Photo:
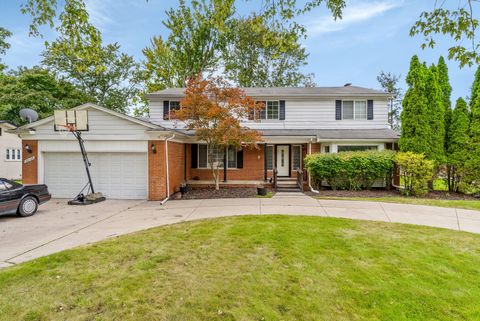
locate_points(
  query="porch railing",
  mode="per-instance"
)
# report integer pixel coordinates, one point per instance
(275, 178)
(300, 179)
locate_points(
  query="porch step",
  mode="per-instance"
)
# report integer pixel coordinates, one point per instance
(287, 188)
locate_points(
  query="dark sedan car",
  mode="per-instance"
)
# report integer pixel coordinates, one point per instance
(21, 199)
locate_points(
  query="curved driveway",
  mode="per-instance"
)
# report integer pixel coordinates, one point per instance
(58, 226)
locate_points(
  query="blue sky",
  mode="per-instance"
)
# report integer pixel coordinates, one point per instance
(372, 36)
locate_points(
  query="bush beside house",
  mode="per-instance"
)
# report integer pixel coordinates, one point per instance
(351, 170)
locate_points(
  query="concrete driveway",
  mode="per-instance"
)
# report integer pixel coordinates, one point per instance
(58, 226)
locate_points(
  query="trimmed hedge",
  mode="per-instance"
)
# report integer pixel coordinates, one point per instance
(416, 171)
(350, 170)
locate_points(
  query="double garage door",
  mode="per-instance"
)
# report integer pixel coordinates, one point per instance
(116, 175)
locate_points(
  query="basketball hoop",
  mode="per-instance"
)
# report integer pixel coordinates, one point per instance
(64, 130)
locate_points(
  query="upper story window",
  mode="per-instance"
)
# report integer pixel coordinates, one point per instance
(354, 109)
(168, 107)
(271, 111)
(13, 154)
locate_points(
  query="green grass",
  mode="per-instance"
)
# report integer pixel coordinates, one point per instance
(255, 268)
(465, 204)
(269, 195)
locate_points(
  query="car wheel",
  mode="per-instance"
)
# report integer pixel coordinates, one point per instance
(28, 206)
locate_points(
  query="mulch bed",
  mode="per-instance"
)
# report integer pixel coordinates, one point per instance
(209, 193)
(388, 193)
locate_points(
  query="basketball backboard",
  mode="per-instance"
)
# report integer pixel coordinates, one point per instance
(71, 119)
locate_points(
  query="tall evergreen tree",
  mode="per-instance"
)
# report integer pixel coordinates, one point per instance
(436, 119)
(473, 162)
(458, 144)
(446, 88)
(415, 131)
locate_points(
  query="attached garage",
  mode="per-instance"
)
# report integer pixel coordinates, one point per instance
(116, 175)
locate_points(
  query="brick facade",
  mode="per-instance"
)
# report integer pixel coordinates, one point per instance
(30, 162)
(157, 187)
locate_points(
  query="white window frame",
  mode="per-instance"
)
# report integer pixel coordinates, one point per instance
(15, 154)
(377, 148)
(273, 158)
(354, 109)
(207, 165)
(301, 161)
(170, 107)
(258, 114)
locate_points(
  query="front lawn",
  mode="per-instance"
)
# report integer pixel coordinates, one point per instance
(255, 268)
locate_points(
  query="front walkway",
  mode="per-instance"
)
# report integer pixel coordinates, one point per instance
(57, 226)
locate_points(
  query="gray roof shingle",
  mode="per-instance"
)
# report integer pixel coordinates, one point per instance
(286, 92)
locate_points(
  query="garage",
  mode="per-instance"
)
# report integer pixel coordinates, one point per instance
(116, 175)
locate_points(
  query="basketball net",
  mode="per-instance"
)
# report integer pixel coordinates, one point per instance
(64, 130)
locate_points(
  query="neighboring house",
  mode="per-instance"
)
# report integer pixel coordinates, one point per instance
(10, 152)
(128, 155)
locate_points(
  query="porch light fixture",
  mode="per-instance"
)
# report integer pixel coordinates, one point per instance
(154, 148)
(28, 149)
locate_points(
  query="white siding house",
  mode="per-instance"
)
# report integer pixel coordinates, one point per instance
(10, 152)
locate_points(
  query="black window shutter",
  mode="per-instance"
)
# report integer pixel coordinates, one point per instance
(338, 110)
(166, 104)
(370, 109)
(282, 109)
(240, 159)
(194, 155)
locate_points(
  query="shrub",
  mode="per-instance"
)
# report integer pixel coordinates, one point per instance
(350, 170)
(416, 171)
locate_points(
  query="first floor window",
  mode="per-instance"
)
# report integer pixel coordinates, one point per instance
(269, 157)
(297, 157)
(354, 148)
(13, 154)
(354, 109)
(217, 155)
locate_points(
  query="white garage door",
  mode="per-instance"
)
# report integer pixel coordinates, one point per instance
(116, 175)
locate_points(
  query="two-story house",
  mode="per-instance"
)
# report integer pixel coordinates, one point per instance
(10, 152)
(151, 158)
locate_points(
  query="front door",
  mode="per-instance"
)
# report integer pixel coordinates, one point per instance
(283, 160)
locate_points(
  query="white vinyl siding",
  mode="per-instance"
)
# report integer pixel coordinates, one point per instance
(315, 113)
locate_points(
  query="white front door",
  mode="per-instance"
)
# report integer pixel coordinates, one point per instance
(283, 160)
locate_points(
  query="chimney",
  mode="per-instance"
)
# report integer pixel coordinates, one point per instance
(348, 84)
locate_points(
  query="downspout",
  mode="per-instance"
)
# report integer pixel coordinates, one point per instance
(166, 170)
(309, 177)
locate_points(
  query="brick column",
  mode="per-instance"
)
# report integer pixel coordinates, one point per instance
(157, 189)
(30, 162)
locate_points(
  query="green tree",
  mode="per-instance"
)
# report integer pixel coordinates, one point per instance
(112, 79)
(415, 129)
(4, 45)
(197, 33)
(458, 143)
(436, 118)
(389, 83)
(38, 89)
(263, 54)
(472, 165)
(457, 23)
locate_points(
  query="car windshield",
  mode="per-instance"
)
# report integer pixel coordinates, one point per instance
(8, 184)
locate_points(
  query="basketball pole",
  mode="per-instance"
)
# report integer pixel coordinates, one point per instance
(78, 136)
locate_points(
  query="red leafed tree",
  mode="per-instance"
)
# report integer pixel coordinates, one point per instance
(215, 110)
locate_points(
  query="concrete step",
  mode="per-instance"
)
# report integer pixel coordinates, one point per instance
(288, 189)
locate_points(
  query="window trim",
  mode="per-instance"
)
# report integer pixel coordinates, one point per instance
(207, 166)
(354, 108)
(15, 152)
(170, 108)
(273, 157)
(258, 113)
(301, 161)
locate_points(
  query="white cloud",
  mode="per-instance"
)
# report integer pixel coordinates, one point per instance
(100, 12)
(352, 14)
